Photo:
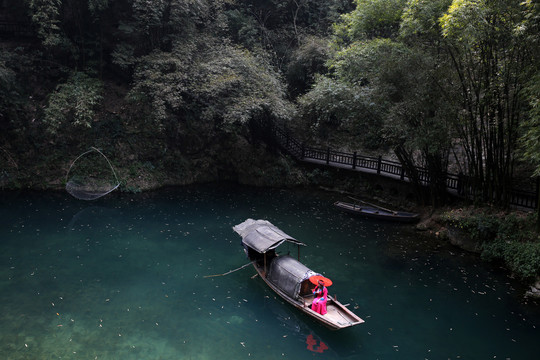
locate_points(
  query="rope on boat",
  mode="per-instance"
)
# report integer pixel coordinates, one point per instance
(230, 271)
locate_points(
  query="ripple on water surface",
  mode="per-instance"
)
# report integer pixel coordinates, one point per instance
(124, 278)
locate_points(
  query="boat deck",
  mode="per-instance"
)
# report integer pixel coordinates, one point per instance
(338, 316)
(335, 313)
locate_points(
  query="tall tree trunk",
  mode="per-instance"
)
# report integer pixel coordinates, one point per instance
(407, 161)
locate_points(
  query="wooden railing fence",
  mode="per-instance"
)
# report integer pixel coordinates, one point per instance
(454, 183)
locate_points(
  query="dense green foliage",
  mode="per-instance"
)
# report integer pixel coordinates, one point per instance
(400, 86)
(221, 83)
(530, 141)
(371, 19)
(169, 86)
(74, 101)
(446, 85)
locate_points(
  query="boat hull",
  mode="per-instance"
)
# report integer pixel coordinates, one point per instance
(374, 213)
(287, 276)
(338, 316)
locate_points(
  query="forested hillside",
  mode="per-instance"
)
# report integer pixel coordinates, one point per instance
(170, 90)
(166, 88)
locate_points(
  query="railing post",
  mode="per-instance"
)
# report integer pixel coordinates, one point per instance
(402, 175)
(379, 163)
(327, 155)
(354, 160)
(303, 150)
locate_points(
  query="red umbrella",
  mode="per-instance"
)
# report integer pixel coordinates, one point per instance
(316, 278)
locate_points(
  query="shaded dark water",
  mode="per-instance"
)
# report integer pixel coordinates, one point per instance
(123, 278)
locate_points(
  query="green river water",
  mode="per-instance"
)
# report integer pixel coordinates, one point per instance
(123, 277)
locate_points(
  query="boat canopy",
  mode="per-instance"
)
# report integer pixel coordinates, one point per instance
(262, 235)
(287, 273)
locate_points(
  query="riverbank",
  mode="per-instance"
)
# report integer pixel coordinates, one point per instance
(505, 239)
(471, 229)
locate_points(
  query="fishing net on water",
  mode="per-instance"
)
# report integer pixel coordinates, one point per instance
(91, 176)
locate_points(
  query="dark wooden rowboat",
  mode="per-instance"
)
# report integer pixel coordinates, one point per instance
(377, 212)
(287, 276)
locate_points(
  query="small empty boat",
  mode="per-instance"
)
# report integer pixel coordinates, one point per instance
(376, 212)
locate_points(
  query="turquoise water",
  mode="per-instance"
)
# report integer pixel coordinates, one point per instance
(123, 277)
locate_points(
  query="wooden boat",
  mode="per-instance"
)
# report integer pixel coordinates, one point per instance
(376, 212)
(287, 276)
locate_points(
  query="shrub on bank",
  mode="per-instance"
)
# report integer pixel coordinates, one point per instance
(510, 238)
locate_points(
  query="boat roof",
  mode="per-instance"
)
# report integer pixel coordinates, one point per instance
(287, 273)
(262, 235)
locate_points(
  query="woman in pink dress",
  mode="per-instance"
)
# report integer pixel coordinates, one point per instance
(319, 303)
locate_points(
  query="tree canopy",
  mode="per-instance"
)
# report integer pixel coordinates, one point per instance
(445, 78)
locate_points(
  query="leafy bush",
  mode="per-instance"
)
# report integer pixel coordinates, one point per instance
(510, 239)
(222, 84)
(479, 226)
(517, 245)
(74, 103)
(336, 108)
(371, 19)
